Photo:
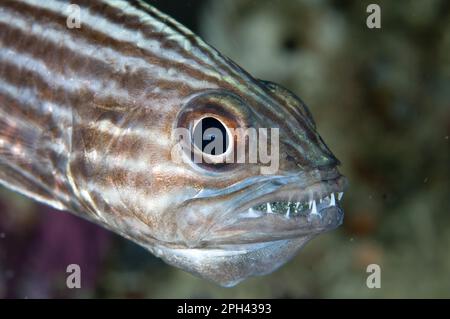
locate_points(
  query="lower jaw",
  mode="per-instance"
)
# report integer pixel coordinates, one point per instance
(231, 260)
(233, 264)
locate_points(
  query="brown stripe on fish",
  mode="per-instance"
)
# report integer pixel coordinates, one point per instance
(83, 70)
(200, 52)
(196, 52)
(121, 43)
(37, 101)
(92, 82)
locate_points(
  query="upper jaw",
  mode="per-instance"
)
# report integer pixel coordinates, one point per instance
(297, 208)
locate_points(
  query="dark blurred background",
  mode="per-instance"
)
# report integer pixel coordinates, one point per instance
(381, 99)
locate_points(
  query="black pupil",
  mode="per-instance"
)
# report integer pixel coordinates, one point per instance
(210, 136)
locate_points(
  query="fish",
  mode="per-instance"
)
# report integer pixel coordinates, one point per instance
(93, 97)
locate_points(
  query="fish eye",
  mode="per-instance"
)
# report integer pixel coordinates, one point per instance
(210, 119)
(211, 136)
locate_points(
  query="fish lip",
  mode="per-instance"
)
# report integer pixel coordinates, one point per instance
(239, 228)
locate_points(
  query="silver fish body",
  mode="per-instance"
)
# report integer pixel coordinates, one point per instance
(88, 124)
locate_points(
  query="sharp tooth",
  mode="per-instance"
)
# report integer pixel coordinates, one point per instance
(252, 213)
(311, 203)
(333, 200)
(288, 211)
(340, 195)
(298, 204)
(314, 208)
(269, 208)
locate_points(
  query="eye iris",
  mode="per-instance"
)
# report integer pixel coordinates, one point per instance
(210, 136)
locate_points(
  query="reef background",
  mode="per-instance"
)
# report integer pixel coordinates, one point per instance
(381, 100)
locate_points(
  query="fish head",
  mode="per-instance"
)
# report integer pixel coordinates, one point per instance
(229, 182)
(270, 185)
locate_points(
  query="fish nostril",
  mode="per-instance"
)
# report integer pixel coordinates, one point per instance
(290, 44)
(290, 158)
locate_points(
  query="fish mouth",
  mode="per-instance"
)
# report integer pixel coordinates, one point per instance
(292, 210)
(268, 222)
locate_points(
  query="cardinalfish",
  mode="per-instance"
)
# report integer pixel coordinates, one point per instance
(90, 121)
